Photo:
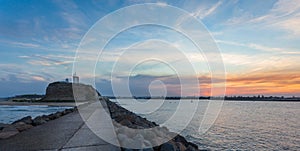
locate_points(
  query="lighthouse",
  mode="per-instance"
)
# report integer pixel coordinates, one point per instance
(75, 78)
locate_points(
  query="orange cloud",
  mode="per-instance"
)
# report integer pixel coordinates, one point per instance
(268, 83)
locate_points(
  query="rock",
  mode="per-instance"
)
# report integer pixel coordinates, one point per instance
(38, 121)
(128, 143)
(181, 139)
(191, 148)
(52, 116)
(167, 147)
(147, 145)
(21, 126)
(158, 131)
(67, 111)
(152, 140)
(148, 149)
(8, 132)
(138, 141)
(46, 118)
(122, 137)
(64, 91)
(193, 145)
(57, 114)
(26, 120)
(180, 146)
(2, 125)
(126, 122)
(127, 131)
(148, 135)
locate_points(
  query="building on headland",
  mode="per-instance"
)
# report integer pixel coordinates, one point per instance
(75, 78)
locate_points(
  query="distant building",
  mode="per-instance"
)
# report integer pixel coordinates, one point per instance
(75, 78)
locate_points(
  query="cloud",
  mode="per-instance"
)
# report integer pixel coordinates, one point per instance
(269, 83)
(261, 47)
(20, 73)
(204, 11)
(49, 60)
(38, 78)
(256, 83)
(284, 15)
(162, 4)
(201, 12)
(21, 44)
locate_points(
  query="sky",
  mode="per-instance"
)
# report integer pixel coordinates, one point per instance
(258, 41)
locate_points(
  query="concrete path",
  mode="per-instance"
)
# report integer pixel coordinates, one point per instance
(65, 133)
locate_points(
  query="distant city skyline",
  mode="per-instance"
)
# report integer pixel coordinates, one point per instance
(258, 40)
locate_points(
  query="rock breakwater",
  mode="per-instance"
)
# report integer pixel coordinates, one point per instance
(127, 125)
(25, 123)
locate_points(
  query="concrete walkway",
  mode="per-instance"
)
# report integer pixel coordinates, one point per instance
(65, 133)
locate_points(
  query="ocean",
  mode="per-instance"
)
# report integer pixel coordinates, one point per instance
(11, 113)
(244, 125)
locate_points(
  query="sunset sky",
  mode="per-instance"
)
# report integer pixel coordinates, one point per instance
(259, 42)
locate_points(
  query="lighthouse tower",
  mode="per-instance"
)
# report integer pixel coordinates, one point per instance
(75, 78)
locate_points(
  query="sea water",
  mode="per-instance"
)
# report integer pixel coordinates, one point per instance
(11, 113)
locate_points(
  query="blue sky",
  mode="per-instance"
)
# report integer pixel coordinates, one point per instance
(259, 42)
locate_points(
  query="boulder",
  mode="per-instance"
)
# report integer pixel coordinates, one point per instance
(167, 147)
(191, 148)
(148, 145)
(2, 125)
(21, 126)
(26, 120)
(8, 132)
(181, 139)
(180, 146)
(138, 141)
(148, 135)
(39, 121)
(126, 122)
(46, 118)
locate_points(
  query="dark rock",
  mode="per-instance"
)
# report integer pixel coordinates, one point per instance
(148, 149)
(67, 111)
(64, 91)
(8, 132)
(193, 145)
(2, 125)
(126, 122)
(167, 147)
(191, 148)
(39, 121)
(180, 146)
(57, 115)
(26, 120)
(21, 126)
(46, 118)
(181, 139)
(51, 116)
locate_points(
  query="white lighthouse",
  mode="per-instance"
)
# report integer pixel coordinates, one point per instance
(75, 78)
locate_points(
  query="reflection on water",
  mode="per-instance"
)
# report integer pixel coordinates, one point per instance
(240, 125)
(11, 113)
